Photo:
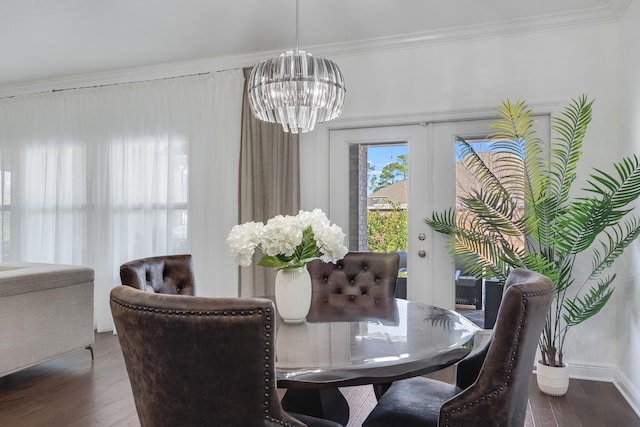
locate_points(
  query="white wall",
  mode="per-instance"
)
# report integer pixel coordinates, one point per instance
(627, 327)
(545, 69)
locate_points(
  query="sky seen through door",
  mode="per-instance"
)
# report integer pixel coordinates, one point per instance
(378, 156)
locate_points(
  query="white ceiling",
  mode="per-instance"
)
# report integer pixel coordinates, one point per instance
(51, 39)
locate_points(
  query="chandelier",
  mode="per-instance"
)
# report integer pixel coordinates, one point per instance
(296, 90)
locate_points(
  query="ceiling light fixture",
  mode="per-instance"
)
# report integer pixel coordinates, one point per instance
(296, 89)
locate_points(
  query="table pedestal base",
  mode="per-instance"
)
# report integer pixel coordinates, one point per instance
(327, 403)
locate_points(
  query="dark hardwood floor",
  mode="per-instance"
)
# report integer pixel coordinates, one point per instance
(73, 391)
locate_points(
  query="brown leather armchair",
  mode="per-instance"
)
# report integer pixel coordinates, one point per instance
(492, 384)
(195, 361)
(358, 287)
(169, 274)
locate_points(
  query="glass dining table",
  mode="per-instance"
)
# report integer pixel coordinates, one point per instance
(350, 340)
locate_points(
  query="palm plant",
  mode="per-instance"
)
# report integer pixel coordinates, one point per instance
(491, 233)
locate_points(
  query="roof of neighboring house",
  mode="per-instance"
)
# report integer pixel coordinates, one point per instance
(396, 193)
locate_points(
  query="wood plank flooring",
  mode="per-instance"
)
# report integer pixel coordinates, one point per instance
(72, 391)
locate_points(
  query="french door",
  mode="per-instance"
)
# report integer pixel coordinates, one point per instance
(431, 186)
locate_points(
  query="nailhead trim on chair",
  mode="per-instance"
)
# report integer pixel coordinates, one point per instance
(513, 358)
(267, 343)
(190, 312)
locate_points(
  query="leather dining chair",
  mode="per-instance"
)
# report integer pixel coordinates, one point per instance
(358, 273)
(492, 383)
(359, 286)
(196, 361)
(168, 274)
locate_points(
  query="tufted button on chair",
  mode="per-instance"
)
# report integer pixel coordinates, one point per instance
(492, 384)
(358, 287)
(169, 274)
(201, 361)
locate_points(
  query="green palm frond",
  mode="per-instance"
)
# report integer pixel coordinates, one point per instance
(484, 267)
(540, 217)
(622, 190)
(541, 264)
(515, 134)
(485, 176)
(443, 222)
(489, 253)
(494, 212)
(580, 224)
(577, 310)
(566, 151)
(583, 220)
(514, 122)
(565, 273)
(618, 239)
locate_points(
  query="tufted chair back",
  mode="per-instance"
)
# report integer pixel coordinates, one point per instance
(359, 287)
(169, 274)
(358, 273)
(195, 361)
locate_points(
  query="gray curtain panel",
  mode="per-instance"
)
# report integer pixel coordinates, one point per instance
(269, 185)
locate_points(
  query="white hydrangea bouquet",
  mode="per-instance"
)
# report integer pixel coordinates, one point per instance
(288, 241)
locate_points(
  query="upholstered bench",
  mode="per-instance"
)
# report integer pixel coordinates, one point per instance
(46, 311)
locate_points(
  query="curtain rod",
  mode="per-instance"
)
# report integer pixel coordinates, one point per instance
(118, 83)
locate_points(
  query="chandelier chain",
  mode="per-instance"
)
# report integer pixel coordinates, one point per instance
(297, 25)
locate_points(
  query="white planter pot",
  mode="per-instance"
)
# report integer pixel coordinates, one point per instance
(553, 380)
(293, 294)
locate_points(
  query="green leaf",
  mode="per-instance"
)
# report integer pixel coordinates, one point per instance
(618, 239)
(272, 262)
(577, 310)
(308, 248)
(621, 190)
(567, 148)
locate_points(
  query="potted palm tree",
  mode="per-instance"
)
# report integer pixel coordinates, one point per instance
(523, 212)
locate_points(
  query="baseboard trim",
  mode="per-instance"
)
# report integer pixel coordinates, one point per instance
(592, 372)
(628, 390)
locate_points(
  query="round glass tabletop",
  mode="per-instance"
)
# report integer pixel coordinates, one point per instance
(349, 340)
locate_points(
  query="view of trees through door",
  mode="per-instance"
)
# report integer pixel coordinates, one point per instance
(387, 174)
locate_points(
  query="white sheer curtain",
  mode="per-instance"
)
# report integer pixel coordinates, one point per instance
(99, 176)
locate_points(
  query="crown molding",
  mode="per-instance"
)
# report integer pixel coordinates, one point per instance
(618, 8)
(537, 24)
(126, 75)
(609, 13)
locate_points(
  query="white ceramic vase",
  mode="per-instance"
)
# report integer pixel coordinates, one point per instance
(553, 380)
(293, 294)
